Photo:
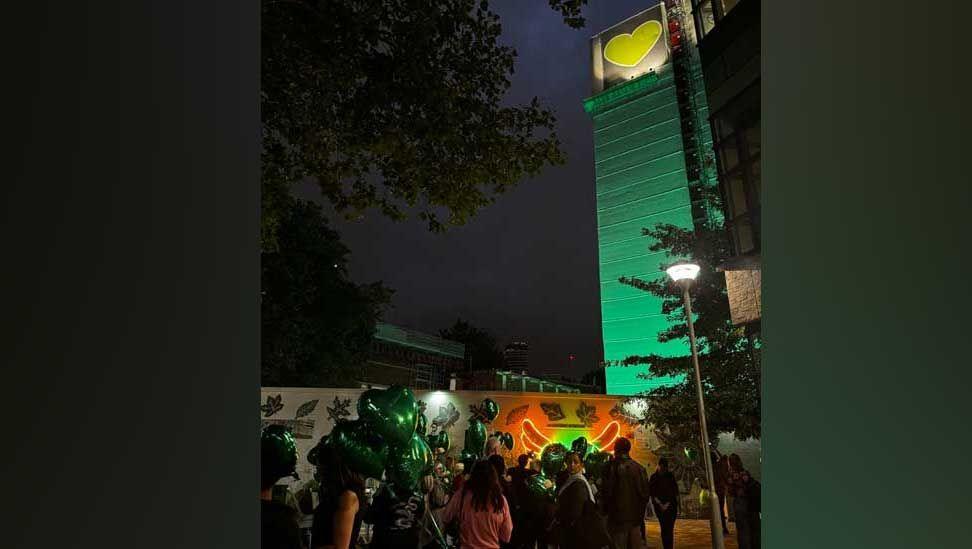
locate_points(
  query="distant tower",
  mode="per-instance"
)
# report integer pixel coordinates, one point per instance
(516, 355)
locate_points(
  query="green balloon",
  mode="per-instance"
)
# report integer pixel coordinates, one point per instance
(537, 487)
(595, 462)
(422, 426)
(278, 452)
(475, 440)
(439, 440)
(359, 447)
(490, 408)
(552, 459)
(391, 412)
(468, 459)
(407, 466)
(579, 446)
(691, 453)
(507, 440)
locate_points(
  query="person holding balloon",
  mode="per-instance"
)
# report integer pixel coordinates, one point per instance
(337, 519)
(278, 459)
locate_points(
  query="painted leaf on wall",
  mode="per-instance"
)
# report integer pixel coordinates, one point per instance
(553, 410)
(306, 408)
(587, 414)
(517, 414)
(274, 404)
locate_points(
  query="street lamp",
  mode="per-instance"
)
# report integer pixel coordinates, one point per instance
(684, 274)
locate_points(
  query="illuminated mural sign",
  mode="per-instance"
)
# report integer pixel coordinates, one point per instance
(630, 49)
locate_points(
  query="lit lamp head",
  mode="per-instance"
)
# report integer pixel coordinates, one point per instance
(683, 273)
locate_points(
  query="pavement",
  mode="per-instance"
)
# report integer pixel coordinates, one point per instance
(689, 534)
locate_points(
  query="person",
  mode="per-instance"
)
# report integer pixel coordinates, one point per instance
(744, 491)
(493, 446)
(280, 526)
(721, 473)
(664, 499)
(625, 496)
(578, 522)
(398, 516)
(337, 519)
(524, 526)
(483, 514)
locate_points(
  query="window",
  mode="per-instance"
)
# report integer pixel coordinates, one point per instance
(736, 136)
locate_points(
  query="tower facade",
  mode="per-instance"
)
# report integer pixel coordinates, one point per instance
(652, 158)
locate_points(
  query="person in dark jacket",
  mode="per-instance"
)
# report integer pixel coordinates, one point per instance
(664, 500)
(625, 498)
(280, 527)
(745, 493)
(525, 530)
(337, 519)
(576, 514)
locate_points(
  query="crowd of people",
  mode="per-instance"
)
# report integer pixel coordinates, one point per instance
(490, 506)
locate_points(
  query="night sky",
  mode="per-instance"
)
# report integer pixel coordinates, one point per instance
(525, 267)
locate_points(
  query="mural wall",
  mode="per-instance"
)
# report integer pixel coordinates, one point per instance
(534, 419)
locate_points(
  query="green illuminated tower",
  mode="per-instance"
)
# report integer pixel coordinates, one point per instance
(651, 158)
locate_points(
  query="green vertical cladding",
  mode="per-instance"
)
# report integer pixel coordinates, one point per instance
(641, 181)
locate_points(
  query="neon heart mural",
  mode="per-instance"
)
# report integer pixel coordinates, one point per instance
(532, 438)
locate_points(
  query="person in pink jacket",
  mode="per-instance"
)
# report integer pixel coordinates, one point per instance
(481, 510)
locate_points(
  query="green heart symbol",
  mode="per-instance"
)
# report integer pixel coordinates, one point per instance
(627, 50)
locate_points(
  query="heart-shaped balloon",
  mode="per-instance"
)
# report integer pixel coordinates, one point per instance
(407, 466)
(594, 464)
(490, 409)
(579, 447)
(468, 459)
(475, 440)
(691, 453)
(422, 425)
(552, 459)
(359, 447)
(439, 440)
(391, 412)
(507, 440)
(538, 486)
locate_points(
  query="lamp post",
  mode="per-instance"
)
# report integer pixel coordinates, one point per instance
(684, 274)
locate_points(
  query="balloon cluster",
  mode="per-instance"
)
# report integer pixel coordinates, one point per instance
(474, 442)
(385, 438)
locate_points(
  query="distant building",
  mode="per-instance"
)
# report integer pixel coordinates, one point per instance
(400, 356)
(516, 356)
(512, 381)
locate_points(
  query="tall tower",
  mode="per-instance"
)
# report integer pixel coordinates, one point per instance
(652, 158)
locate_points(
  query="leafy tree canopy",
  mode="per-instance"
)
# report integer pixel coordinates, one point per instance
(482, 351)
(317, 325)
(729, 357)
(396, 105)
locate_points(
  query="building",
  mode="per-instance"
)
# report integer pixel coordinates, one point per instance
(729, 49)
(511, 381)
(653, 163)
(400, 356)
(516, 356)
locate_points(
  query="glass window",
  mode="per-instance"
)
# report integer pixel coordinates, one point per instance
(729, 153)
(704, 17)
(743, 234)
(727, 5)
(737, 195)
(752, 139)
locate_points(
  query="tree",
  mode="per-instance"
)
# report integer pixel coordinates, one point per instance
(395, 105)
(595, 377)
(317, 325)
(729, 357)
(482, 351)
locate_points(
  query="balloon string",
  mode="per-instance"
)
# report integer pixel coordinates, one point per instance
(435, 525)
